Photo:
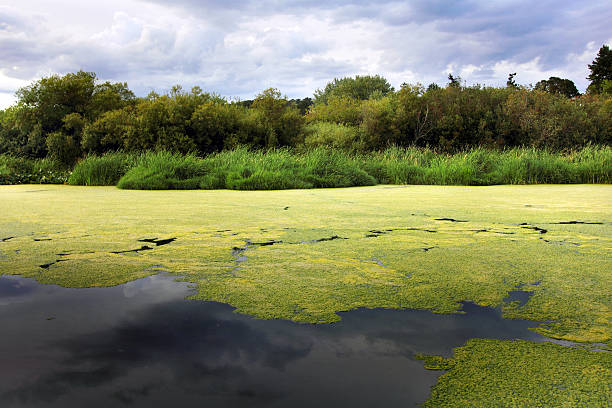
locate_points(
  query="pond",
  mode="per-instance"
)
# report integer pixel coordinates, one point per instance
(142, 344)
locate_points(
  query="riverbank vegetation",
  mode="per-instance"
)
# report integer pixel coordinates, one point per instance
(278, 169)
(284, 168)
(353, 132)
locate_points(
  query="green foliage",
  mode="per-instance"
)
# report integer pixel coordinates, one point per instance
(303, 105)
(162, 122)
(334, 135)
(454, 81)
(215, 124)
(378, 127)
(341, 110)
(489, 167)
(537, 118)
(63, 148)
(58, 105)
(333, 168)
(601, 69)
(50, 99)
(558, 86)
(20, 170)
(66, 118)
(360, 88)
(109, 131)
(282, 122)
(323, 165)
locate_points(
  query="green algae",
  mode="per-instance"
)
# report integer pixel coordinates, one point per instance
(518, 373)
(306, 255)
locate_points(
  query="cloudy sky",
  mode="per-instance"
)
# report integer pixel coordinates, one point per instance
(238, 48)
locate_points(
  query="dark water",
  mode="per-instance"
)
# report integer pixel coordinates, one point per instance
(142, 345)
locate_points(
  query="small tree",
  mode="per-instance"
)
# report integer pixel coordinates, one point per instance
(454, 81)
(511, 83)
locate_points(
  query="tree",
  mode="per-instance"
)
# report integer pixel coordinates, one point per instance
(282, 121)
(50, 99)
(360, 87)
(601, 69)
(48, 107)
(303, 105)
(558, 86)
(433, 87)
(453, 81)
(511, 83)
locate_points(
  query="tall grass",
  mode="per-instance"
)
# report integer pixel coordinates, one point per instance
(478, 166)
(243, 169)
(103, 170)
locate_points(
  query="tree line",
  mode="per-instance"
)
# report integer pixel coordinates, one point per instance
(68, 117)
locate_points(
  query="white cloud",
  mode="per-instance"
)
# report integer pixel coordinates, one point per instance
(239, 48)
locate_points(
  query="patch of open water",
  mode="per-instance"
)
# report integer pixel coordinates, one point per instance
(142, 344)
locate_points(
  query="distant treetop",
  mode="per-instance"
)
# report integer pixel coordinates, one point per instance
(360, 87)
(558, 86)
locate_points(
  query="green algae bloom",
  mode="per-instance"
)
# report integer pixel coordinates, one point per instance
(518, 373)
(305, 255)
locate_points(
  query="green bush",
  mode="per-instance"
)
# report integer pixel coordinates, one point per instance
(334, 135)
(19, 170)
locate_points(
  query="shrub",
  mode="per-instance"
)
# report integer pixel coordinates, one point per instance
(19, 170)
(334, 135)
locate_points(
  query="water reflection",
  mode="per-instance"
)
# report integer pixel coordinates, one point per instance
(142, 344)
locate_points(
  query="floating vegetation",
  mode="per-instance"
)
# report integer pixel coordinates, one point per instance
(324, 256)
(521, 373)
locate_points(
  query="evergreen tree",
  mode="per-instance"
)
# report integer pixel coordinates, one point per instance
(601, 69)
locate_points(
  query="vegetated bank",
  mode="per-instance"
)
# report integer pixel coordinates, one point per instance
(68, 118)
(278, 169)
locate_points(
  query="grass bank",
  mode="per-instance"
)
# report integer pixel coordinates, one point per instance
(242, 169)
(280, 169)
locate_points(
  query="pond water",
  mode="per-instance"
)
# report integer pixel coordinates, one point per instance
(142, 344)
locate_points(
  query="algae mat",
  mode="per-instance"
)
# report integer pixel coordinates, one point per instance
(305, 255)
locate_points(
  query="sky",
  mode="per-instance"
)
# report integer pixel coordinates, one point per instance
(238, 48)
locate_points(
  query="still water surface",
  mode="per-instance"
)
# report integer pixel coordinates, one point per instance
(142, 344)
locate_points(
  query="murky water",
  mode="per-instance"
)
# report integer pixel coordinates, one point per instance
(142, 345)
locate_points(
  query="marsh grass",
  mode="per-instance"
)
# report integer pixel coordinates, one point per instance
(103, 170)
(242, 169)
(480, 166)
(278, 169)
